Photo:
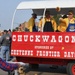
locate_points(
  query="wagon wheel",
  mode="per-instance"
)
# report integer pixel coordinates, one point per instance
(71, 68)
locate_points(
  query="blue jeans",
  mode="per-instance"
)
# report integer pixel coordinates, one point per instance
(5, 52)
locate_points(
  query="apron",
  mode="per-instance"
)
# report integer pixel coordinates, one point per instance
(71, 27)
(48, 27)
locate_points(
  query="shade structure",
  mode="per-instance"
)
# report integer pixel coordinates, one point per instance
(39, 6)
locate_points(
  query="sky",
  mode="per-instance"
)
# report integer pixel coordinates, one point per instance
(7, 8)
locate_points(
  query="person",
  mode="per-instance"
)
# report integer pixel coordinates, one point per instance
(9, 67)
(1, 33)
(19, 29)
(31, 23)
(70, 21)
(62, 25)
(5, 42)
(48, 23)
(9, 32)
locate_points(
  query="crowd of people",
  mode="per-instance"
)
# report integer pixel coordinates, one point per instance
(5, 46)
(46, 24)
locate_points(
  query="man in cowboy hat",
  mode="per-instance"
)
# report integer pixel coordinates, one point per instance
(69, 21)
(48, 23)
(31, 23)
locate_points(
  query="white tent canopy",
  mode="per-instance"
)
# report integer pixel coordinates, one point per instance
(38, 6)
(46, 4)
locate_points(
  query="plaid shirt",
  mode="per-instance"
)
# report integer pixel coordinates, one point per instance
(7, 66)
